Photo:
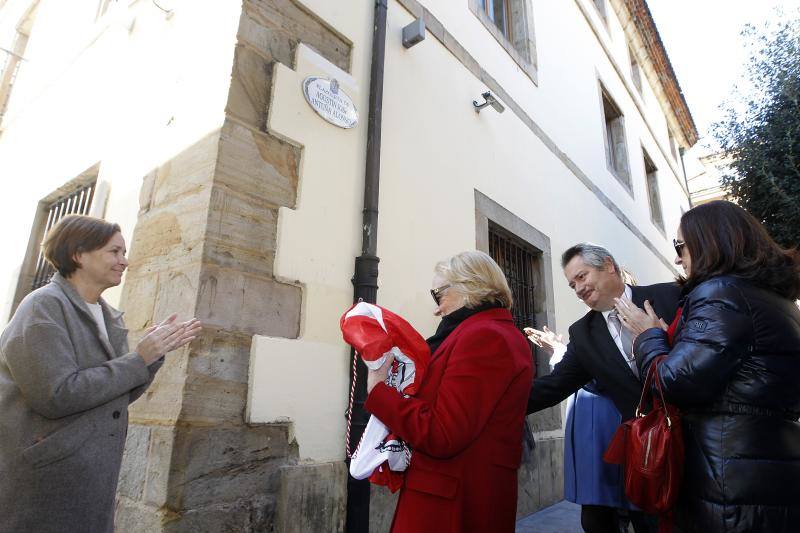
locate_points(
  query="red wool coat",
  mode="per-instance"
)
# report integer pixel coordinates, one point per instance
(465, 428)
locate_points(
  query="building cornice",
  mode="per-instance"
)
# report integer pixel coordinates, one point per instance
(645, 26)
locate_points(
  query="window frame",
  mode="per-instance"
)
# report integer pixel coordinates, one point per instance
(636, 72)
(96, 208)
(507, 30)
(673, 144)
(601, 8)
(487, 212)
(618, 164)
(519, 42)
(653, 192)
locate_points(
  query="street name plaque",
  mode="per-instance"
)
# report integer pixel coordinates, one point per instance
(330, 101)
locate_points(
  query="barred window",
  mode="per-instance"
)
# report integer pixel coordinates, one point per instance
(518, 260)
(78, 202)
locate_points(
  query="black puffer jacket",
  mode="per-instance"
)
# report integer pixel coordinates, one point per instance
(734, 370)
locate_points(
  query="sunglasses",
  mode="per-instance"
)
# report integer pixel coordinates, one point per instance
(678, 246)
(437, 293)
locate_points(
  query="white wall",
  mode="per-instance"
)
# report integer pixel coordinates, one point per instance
(130, 91)
(137, 87)
(435, 152)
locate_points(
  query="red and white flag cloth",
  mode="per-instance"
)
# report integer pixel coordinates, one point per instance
(375, 332)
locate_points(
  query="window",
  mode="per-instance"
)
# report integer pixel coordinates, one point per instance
(15, 57)
(523, 253)
(601, 8)
(76, 203)
(652, 191)
(80, 196)
(636, 71)
(616, 149)
(10, 70)
(672, 144)
(517, 261)
(511, 24)
(497, 11)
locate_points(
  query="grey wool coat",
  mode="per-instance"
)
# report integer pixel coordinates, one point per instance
(64, 395)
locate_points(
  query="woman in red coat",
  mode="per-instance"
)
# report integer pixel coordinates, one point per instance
(465, 424)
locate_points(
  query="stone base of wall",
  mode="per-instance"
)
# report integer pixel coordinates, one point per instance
(312, 498)
(541, 477)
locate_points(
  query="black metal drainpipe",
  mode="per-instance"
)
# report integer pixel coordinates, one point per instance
(365, 278)
(681, 151)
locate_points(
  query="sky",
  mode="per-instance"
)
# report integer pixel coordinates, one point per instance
(703, 41)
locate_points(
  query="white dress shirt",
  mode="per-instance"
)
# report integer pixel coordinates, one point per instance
(617, 335)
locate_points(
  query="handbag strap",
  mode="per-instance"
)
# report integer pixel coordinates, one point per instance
(647, 394)
(657, 380)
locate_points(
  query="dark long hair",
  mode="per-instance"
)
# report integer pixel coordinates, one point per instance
(724, 239)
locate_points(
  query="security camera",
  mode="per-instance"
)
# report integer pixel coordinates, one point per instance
(488, 99)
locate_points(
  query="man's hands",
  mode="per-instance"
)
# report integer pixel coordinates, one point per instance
(548, 340)
(167, 336)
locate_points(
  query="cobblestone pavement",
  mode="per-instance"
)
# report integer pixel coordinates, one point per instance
(563, 517)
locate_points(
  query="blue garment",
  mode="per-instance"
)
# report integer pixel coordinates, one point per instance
(592, 420)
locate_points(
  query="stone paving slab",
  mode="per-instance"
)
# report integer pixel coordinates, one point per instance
(563, 517)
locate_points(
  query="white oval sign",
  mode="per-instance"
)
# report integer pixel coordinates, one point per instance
(330, 101)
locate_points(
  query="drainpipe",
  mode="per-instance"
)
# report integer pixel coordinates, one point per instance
(681, 151)
(365, 278)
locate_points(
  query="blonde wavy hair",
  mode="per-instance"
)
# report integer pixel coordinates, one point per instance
(475, 276)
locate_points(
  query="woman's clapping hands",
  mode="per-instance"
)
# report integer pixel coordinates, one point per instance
(167, 336)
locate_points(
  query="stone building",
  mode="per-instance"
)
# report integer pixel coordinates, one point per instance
(706, 184)
(186, 122)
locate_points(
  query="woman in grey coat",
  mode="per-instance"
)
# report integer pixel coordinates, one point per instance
(66, 380)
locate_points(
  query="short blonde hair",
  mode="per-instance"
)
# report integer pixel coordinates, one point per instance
(477, 277)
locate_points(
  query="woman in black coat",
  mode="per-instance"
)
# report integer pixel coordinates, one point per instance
(734, 371)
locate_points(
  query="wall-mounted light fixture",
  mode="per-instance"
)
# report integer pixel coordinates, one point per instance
(414, 33)
(488, 99)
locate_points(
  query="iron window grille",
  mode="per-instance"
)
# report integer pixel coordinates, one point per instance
(78, 202)
(517, 261)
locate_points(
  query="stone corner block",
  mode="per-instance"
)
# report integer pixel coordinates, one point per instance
(312, 497)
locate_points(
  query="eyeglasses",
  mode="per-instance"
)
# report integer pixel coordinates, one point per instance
(437, 293)
(678, 246)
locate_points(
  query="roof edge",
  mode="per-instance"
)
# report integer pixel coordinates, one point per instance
(646, 26)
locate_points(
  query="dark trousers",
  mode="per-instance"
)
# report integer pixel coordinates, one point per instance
(599, 519)
(602, 519)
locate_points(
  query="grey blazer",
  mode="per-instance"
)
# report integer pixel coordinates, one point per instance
(64, 395)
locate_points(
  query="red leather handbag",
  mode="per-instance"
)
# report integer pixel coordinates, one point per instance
(650, 449)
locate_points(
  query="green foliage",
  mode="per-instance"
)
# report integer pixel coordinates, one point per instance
(761, 131)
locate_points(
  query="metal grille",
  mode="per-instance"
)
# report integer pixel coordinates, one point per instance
(517, 262)
(76, 203)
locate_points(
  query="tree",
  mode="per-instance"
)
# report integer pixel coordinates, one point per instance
(761, 130)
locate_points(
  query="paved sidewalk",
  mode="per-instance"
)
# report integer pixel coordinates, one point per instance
(563, 517)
